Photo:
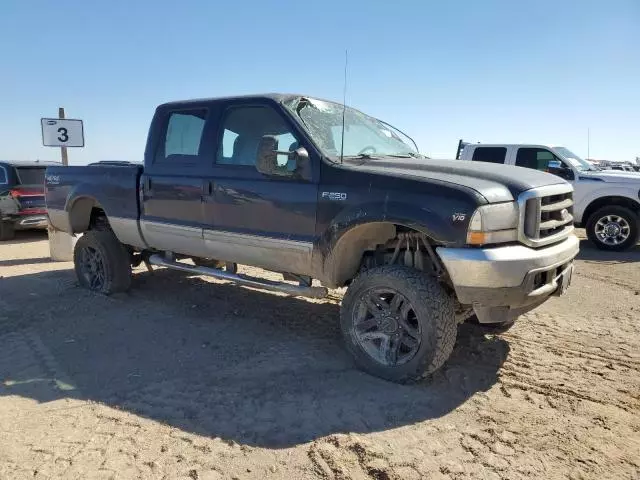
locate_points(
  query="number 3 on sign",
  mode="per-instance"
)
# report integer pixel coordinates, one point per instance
(62, 132)
(64, 137)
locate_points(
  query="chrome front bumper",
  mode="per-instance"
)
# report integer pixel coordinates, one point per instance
(513, 276)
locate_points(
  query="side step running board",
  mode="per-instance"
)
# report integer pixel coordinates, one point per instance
(294, 290)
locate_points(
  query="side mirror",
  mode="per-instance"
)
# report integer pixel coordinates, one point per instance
(556, 167)
(554, 164)
(267, 161)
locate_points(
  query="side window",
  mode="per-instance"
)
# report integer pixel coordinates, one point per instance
(243, 129)
(490, 154)
(184, 134)
(3, 175)
(536, 158)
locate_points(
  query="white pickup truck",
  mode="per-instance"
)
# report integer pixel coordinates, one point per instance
(607, 202)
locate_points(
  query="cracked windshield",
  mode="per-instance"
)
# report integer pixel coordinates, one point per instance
(364, 136)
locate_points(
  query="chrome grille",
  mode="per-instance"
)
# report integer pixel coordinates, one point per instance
(546, 215)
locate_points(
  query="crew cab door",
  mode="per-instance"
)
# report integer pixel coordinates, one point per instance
(540, 158)
(252, 218)
(171, 185)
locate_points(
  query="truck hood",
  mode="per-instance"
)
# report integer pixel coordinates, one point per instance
(611, 176)
(495, 182)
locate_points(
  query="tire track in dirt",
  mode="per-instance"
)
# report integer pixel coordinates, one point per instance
(609, 280)
(563, 351)
(32, 364)
(555, 391)
(342, 457)
(561, 366)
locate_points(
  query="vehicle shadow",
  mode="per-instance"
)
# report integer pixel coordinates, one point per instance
(589, 252)
(26, 236)
(215, 359)
(24, 261)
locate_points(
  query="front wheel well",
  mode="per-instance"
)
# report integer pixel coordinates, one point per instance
(376, 244)
(606, 201)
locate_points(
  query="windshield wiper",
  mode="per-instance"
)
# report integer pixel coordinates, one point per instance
(407, 155)
(371, 156)
(363, 155)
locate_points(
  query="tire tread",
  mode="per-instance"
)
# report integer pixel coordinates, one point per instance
(439, 302)
(118, 264)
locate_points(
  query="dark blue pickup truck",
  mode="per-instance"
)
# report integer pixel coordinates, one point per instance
(316, 190)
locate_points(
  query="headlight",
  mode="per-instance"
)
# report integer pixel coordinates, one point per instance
(496, 223)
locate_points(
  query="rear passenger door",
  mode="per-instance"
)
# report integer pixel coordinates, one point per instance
(171, 203)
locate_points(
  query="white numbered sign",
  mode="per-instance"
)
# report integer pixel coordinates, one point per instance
(62, 133)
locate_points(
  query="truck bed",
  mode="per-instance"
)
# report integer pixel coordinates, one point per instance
(110, 187)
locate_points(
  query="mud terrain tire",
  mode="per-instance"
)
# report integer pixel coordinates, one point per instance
(102, 263)
(433, 321)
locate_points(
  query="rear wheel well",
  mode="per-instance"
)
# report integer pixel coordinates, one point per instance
(87, 214)
(98, 220)
(606, 201)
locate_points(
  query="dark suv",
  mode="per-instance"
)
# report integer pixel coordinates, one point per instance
(22, 204)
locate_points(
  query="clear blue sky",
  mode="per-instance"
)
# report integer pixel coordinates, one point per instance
(540, 71)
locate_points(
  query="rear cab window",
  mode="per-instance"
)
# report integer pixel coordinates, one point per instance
(183, 136)
(3, 175)
(29, 175)
(490, 154)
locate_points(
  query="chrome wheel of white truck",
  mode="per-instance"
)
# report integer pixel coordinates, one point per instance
(613, 228)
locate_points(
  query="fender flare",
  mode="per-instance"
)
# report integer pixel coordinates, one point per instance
(630, 194)
(80, 202)
(354, 231)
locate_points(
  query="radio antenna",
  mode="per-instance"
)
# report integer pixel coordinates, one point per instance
(344, 104)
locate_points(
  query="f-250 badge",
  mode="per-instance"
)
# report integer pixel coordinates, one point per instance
(334, 195)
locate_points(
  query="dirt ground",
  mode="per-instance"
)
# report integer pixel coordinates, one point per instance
(185, 377)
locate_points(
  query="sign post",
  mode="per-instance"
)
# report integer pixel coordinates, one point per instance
(63, 133)
(63, 150)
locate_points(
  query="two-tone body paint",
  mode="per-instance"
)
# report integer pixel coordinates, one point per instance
(290, 224)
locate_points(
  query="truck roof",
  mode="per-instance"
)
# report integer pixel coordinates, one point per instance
(29, 163)
(510, 145)
(278, 97)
